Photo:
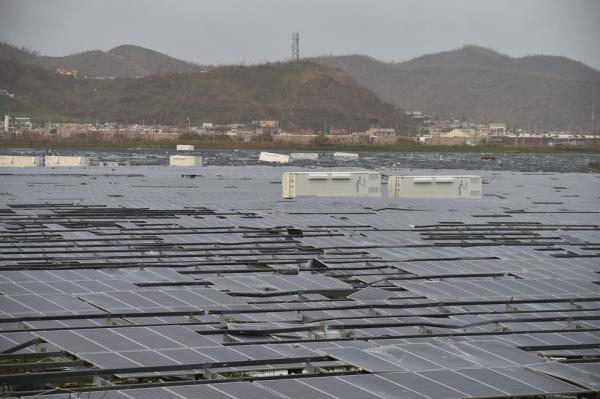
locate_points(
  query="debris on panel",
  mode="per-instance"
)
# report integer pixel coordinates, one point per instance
(185, 147)
(304, 156)
(350, 155)
(185, 160)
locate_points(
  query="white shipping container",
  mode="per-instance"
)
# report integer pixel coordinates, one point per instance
(274, 158)
(185, 147)
(304, 156)
(435, 186)
(185, 160)
(19, 161)
(345, 155)
(331, 184)
(54, 160)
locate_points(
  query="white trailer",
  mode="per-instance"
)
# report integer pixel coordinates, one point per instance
(331, 184)
(185, 160)
(54, 160)
(19, 161)
(185, 147)
(273, 158)
(435, 186)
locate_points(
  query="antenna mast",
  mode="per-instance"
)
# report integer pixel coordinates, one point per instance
(593, 120)
(295, 46)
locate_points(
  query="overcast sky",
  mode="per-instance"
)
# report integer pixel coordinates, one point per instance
(250, 31)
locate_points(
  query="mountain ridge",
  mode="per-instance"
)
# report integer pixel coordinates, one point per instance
(536, 92)
(299, 94)
(119, 62)
(541, 92)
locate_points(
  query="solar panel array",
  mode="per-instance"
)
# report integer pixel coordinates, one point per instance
(142, 282)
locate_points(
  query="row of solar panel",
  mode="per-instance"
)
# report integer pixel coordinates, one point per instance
(427, 385)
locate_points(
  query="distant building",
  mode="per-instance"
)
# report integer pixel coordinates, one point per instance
(66, 72)
(6, 93)
(497, 129)
(373, 123)
(381, 132)
(382, 136)
(456, 133)
(453, 137)
(268, 124)
(418, 116)
(22, 123)
(338, 132)
(15, 124)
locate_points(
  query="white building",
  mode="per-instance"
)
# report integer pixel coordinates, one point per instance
(497, 129)
(15, 124)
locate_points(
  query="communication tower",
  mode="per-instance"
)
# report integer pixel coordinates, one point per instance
(295, 46)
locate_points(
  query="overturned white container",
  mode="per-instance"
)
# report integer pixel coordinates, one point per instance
(331, 184)
(273, 158)
(435, 186)
(304, 156)
(19, 161)
(55, 160)
(185, 147)
(345, 155)
(185, 160)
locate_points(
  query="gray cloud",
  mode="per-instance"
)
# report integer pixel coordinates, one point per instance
(233, 31)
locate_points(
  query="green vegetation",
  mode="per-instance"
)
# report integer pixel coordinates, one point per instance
(299, 94)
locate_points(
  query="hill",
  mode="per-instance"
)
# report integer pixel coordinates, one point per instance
(300, 94)
(121, 61)
(542, 92)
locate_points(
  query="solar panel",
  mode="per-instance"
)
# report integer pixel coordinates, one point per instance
(294, 389)
(461, 383)
(149, 358)
(152, 393)
(364, 360)
(71, 341)
(198, 391)
(584, 374)
(109, 360)
(380, 387)
(423, 299)
(496, 379)
(338, 388)
(423, 385)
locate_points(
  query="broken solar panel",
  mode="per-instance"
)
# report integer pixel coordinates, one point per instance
(502, 288)
(428, 356)
(137, 277)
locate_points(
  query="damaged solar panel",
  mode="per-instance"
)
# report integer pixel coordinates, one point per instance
(140, 282)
